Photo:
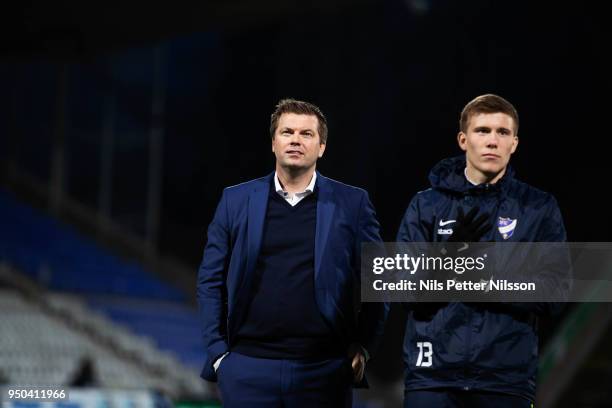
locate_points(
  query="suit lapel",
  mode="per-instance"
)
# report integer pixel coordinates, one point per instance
(325, 215)
(256, 213)
(258, 202)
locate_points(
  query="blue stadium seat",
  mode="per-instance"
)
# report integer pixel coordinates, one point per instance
(62, 259)
(173, 327)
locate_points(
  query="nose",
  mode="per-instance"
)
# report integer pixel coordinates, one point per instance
(492, 141)
(295, 139)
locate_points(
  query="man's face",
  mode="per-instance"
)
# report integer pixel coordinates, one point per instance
(489, 142)
(297, 144)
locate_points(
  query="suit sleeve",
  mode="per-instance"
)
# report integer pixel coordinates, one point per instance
(372, 315)
(212, 290)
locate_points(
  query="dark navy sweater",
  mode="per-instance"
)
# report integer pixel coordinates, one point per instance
(283, 320)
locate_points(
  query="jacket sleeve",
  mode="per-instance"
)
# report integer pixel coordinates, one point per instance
(372, 315)
(415, 226)
(554, 267)
(212, 290)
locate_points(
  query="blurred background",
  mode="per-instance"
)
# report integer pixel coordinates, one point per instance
(120, 124)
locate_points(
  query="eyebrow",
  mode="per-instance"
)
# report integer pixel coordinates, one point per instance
(288, 129)
(488, 129)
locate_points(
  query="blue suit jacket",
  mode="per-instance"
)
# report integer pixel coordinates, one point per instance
(345, 220)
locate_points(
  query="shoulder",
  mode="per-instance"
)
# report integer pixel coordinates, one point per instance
(343, 189)
(530, 196)
(246, 187)
(428, 198)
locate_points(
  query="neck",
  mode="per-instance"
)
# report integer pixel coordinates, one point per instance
(294, 180)
(478, 177)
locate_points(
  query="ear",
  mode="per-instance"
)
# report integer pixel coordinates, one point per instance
(272, 144)
(515, 143)
(321, 149)
(462, 141)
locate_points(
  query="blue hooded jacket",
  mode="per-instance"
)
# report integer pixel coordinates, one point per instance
(477, 346)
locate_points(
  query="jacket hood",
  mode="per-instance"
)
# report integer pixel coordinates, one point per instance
(449, 175)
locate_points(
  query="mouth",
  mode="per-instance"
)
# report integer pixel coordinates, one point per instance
(294, 153)
(490, 156)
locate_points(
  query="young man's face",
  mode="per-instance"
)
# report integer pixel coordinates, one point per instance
(297, 144)
(488, 143)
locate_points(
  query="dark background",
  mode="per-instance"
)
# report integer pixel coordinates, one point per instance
(391, 76)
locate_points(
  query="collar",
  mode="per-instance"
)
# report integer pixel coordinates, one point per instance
(309, 188)
(468, 179)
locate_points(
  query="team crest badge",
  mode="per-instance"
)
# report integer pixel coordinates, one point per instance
(506, 227)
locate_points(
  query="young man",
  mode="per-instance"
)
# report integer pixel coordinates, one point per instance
(485, 354)
(278, 287)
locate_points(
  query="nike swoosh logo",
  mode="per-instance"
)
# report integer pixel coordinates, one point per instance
(443, 223)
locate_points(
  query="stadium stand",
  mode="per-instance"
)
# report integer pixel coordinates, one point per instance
(72, 310)
(59, 258)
